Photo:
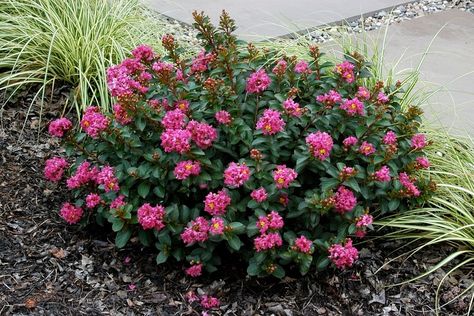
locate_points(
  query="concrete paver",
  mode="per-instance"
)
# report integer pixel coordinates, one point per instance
(272, 18)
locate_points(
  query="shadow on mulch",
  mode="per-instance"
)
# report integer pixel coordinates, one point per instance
(50, 268)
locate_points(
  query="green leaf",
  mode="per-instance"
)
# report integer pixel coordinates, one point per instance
(122, 237)
(144, 238)
(144, 189)
(279, 272)
(234, 242)
(159, 191)
(360, 130)
(323, 262)
(161, 258)
(117, 224)
(252, 269)
(301, 163)
(352, 183)
(237, 227)
(393, 204)
(328, 184)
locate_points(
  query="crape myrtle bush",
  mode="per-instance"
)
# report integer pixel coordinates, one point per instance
(280, 161)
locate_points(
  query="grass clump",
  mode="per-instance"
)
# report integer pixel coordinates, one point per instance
(48, 42)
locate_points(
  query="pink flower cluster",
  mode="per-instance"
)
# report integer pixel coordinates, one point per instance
(59, 126)
(194, 270)
(223, 117)
(345, 200)
(121, 115)
(422, 162)
(209, 302)
(343, 256)
(144, 53)
(202, 134)
(174, 119)
(365, 220)
(363, 93)
(418, 141)
(272, 221)
(128, 78)
(259, 195)
(383, 174)
(187, 168)
(92, 200)
(118, 202)
(302, 67)
(407, 183)
(329, 99)
(292, 108)
(366, 148)
(217, 203)
(382, 98)
(182, 105)
(217, 226)
(283, 176)
(320, 144)
(201, 62)
(151, 217)
(84, 174)
(303, 245)
(258, 82)
(353, 107)
(70, 213)
(236, 174)
(280, 68)
(270, 122)
(390, 138)
(346, 71)
(93, 122)
(107, 178)
(350, 141)
(176, 140)
(54, 168)
(267, 241)
(196, 231)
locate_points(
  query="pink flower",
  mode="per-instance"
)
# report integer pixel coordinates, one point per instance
(201, 62)
(283, 199)
(343, 256)
(163, 68)
(273, 221)
(270, 122)
(195, 270)
(186, 168)
(410, 187)
(349, 141)
(54, 168)
(390, 138)
(302, 67)
(123, 80)
(292, 108)
(84, 174)
(236, 174)
(345, 200)
(367, 148)
(216, 203)
(360, 233)
(209, 302)
(280, 68)
(59, 126)
(320, 144)
(423, 162)
(107, 178)
(329, 99)
(180, 76)
(353, 107)
(418, 141)
(118, 202)
(202, 134)
(303, 244)
(151, 217)
(365, 220)
(217, 226)
(259, 195)
(382, 98)
(92, 200)
(267, 241)
(121, 115)
(174, 119)
(176, 140)
(363, 93)
(346, 71)
(191, 297)
(347, 172)
(182, 105)
(93, 122)
(223, 117)
(71, 213)
(258, 82)
(196, 231)
(383, 174)
(144, 53)
(283, 176)
(132, 287)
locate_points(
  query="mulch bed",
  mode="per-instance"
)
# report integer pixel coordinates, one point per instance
(50, 268)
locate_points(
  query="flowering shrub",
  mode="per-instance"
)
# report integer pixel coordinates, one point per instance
(276, 161)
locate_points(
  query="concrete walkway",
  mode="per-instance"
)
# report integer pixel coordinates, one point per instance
(272, 18)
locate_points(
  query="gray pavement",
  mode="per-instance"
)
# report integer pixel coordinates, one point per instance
(272, 18)
(449, 64)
